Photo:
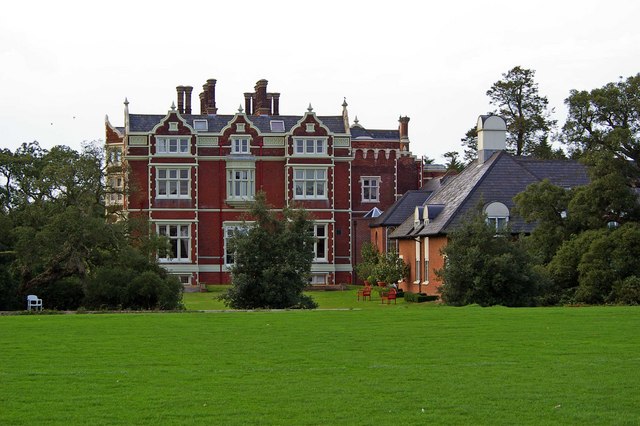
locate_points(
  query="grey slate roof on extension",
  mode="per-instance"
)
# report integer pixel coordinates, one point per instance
(401, 209)
(146, 122)
(500, 179)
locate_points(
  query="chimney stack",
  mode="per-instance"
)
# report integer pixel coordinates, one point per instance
(492, 136)
(211, 96)
(404, 133)
(180, 90)
(276, 103)
(261, 106)
(187, 99)
(248, 106)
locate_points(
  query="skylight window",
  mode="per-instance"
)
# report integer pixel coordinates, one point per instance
(277, 126)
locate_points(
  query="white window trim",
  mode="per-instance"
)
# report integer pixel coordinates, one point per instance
(418, 263)
(236, 145)
(425, 244)
(178, 179)
(272, 122)
(324, 259)
(166, 149)
(178, 237)
(362, 188)
(173, 126)
(303, 151)
(315, 196)
(200, 122)
(251, 184)
(227, 227)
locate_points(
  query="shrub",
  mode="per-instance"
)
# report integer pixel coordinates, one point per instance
(64, 294)
(10, 300)
(627, 291)
(418, 297)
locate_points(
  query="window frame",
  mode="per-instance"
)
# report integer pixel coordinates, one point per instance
(306, 180)
(364, 187)
(249, 182)
(165, 182)
(178, 238)
(322, 239)
(318, 145)
(163, 145)
(198, 123)
(227, 230)
(237, 144)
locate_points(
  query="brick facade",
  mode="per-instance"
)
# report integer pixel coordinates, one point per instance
(194, 176)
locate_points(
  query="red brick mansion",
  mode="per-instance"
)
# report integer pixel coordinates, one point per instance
(194, 175)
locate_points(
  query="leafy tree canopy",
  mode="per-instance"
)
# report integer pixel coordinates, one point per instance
(485, 268)
(529, 124)
(605, 119)
(272, 259)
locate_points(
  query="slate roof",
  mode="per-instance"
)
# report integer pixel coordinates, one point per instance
(500, 179)
(401, 209)
(361, 132)
(146, 122)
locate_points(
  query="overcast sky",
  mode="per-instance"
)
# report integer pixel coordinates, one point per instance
(65, 64)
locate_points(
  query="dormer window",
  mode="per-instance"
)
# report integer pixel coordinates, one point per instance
(277, 126)
(200, 125)
(497, 215)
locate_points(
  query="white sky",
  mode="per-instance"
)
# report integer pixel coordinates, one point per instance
(65, 64)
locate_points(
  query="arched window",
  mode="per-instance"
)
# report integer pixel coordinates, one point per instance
(497, 215)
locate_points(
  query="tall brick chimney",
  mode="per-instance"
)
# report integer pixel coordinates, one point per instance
(187, 99)
(404, 133)
(203, 100)
(180, 91)
(275, 109)
(261, 105)
(211, 96)
(248, 106)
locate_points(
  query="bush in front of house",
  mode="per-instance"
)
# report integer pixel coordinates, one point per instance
(418, 297)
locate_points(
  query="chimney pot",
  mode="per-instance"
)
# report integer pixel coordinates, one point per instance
(187, 99)
(211, 96)
(180, 91)
(261, 105)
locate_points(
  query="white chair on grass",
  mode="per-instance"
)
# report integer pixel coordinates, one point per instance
(33, 302)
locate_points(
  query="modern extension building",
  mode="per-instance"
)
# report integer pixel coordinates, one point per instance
(492, 180)
(195, 175)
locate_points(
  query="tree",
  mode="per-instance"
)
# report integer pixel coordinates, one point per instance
(606, 119)
(546, 205)
(452, 161)
(470, 144)
(55, 239)
(486, 268)
(528, 119)
(272, 259)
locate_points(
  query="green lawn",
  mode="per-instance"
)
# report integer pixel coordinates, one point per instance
(326, 300)
(404, 364)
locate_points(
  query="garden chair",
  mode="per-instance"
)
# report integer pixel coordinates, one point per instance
(33, 302)
(388, 296)
(365, 292)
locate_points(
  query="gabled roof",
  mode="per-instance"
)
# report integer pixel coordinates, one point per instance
(401, 209)
(146, 122)
(499, 179)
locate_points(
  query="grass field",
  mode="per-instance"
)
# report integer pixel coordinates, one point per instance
(403, 364)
